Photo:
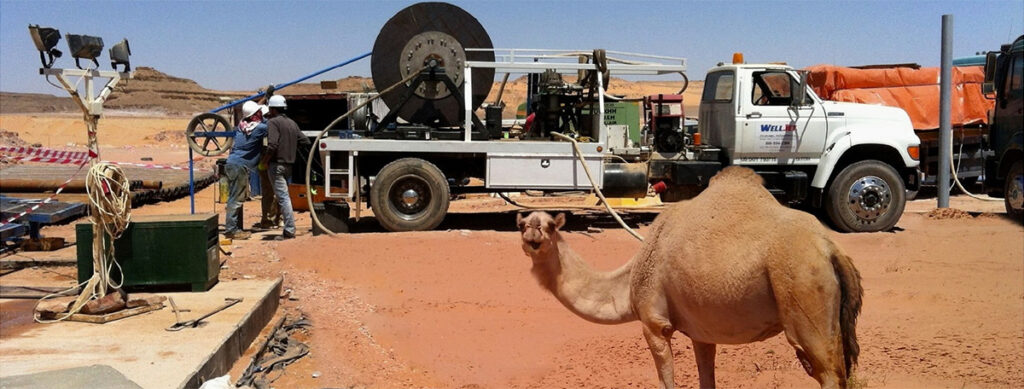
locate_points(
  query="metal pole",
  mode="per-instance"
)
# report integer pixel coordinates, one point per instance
(191, 182)
(945, 108)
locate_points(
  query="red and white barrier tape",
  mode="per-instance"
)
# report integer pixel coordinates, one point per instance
(30, 154)
(48, 153)
(48, 199)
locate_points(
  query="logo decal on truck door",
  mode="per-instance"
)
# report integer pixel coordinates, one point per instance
(777, 138)
(778, 127)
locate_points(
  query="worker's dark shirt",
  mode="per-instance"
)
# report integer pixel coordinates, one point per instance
(283, 136)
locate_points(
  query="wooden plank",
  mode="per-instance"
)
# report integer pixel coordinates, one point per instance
(109, 317)
(28, 292)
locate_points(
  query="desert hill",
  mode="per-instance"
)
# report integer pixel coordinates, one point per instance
(153, 92)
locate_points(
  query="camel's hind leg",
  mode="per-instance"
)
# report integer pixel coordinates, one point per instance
(809, 311)
(705, 355)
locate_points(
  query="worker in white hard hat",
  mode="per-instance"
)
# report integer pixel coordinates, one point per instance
(244, 156)
(284, 139)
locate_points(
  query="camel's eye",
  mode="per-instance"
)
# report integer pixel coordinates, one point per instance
(549, 226)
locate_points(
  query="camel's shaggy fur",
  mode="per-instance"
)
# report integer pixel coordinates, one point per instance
(730, 266)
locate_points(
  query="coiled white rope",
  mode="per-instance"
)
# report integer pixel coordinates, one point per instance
(110, 205)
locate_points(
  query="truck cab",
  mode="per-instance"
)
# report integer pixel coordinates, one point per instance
(856, 161)
(1004, 82)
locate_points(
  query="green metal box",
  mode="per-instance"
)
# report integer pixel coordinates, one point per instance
(625, 112)
(160, 252)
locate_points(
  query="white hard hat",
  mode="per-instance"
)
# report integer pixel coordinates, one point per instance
(250, 108)
(277, 101)
(264, 109)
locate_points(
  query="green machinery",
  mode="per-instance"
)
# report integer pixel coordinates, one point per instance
(160, 252)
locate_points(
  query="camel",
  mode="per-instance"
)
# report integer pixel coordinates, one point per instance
(730, 266)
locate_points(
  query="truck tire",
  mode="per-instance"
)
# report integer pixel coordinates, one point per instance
(867, 196)
(409, 194)
(1013, 192)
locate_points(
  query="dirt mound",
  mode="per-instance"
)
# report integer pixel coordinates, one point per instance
(948, 213)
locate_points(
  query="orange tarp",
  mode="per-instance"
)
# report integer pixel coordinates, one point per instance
(914, 90)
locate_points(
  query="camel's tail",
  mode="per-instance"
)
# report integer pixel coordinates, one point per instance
(850, 302)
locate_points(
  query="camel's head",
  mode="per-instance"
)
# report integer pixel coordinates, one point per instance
(538, 230)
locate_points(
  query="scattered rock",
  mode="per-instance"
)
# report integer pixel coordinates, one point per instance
(106, 304)
(316, 374)
(11, 138)
(144, 299)
(50, 308)
(948, 213)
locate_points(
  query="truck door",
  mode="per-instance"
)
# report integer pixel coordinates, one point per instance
(1009, 107)
(717, 125)
(775, 131)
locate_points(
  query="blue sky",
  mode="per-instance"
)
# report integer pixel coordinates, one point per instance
(244, 45)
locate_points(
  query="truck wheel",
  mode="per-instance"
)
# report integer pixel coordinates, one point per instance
(409, 194)
(1013, 192)
(867, 196)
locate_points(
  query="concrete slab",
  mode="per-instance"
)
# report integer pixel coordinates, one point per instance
(95, 376)
(140, 347)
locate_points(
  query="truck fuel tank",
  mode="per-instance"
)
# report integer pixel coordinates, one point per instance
(625, 180)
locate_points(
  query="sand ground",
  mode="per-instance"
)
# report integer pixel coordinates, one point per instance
(457, 307)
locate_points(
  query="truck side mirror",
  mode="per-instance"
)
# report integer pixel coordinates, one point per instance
(988, 87)
(800, 93)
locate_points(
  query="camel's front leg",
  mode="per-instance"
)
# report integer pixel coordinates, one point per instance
(659, 339)
(705, 354)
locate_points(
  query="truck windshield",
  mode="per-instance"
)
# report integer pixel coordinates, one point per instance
(718, 87)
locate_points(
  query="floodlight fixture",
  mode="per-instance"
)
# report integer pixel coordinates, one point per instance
(46, 39)
(85, 47)
(119, 54)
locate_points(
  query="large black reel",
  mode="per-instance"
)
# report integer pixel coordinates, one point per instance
(424, 33)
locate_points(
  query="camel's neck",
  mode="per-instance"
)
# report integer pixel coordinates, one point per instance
(601, 297)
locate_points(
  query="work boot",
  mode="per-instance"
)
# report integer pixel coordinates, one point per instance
(265, 225)
(239, 235)
(284, 236)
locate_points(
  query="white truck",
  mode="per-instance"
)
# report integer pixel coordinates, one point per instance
(855, 161)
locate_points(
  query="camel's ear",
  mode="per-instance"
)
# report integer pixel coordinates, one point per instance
(559, 221)
(519, 221)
